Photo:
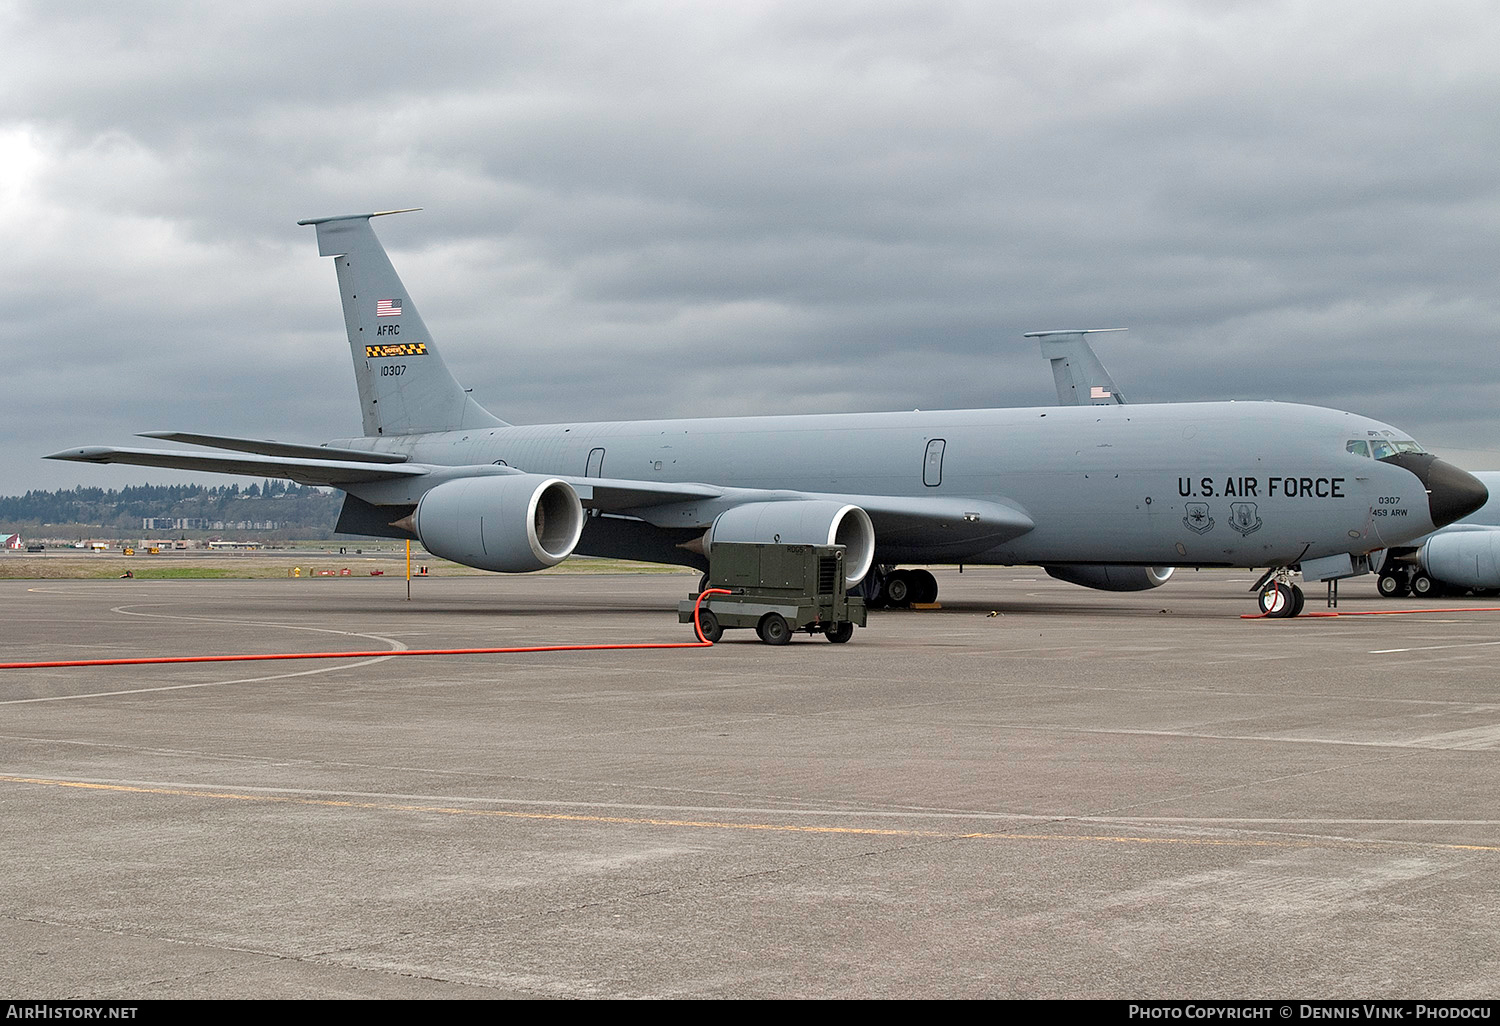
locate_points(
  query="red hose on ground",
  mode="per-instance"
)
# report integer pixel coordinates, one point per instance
(702, 642)
(1378, 612)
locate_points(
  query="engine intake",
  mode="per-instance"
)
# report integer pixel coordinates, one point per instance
(511, 524)
(801, 522)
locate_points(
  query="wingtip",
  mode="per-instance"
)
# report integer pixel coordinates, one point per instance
(84, 454)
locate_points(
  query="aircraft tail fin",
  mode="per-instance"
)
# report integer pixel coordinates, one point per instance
(404, 386)
(1080, 378)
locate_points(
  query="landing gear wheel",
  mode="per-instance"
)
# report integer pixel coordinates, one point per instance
(773, 629)
(1423, 585)
(1298, 601)
(839, 633)
(898, 589)
(924, 586)
(709, 623)
(703, 583)
(1393, 585)
(872, 588)
(1277, 600)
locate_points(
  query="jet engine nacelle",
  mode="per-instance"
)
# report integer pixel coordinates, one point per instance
(1111, 578)
(801, 522)
(1465, 559)
(513, 524)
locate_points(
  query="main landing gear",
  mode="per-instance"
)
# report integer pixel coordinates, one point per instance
(898, 589)
(1399, 581)
(1278, 596)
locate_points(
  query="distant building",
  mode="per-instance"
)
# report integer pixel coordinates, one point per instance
(11, 542)
(175, 524)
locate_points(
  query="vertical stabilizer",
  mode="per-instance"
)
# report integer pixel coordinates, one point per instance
(1080, 378)
(404, 386)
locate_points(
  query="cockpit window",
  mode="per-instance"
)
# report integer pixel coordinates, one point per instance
(1380, 448)
(1358, 446)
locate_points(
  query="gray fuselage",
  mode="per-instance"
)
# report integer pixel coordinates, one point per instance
(1193, 484)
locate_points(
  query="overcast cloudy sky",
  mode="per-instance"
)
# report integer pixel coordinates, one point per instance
(637, 209)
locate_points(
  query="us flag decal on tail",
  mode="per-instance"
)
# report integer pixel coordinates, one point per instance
(387, 308)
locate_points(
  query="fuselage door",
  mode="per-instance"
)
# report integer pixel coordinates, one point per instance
(595, 466)
(932, 463)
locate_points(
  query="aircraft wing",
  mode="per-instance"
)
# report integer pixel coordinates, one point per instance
(913, 520)
(321, 467)
(270, 447)
(615, 495)
(302, 470)
(923, 521)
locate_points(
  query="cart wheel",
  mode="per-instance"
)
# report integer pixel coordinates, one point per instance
(712, 629)
(773, 629)
(840, 632)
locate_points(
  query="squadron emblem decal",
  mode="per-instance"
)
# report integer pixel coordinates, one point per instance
(1243, 518)
(1197, 520)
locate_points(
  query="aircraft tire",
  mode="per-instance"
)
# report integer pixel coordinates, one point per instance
(1275, 601)
(840, 632)
(898, 589)
(924, 586)
(703, 583)
(773, 629)
(1393, 585)
(712, 629)
(1299, 600)
(1422, 585)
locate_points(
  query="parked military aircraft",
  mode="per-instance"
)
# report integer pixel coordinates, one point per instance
(1081, 380)
(1100, 495)
(1464, 556)
(1080, 377)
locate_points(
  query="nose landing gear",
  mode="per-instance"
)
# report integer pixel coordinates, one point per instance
(1278, 596)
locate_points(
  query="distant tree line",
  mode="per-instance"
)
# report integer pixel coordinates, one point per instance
(306, 512)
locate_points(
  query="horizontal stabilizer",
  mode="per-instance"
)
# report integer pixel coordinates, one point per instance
(304, 471)
(268, 447)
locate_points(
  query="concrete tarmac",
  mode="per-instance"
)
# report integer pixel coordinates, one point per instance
(1035, 791)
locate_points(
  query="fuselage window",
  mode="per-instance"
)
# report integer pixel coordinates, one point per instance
(1358, 446)
(1381, 450)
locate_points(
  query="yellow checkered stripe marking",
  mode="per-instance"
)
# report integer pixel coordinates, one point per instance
(398, 349)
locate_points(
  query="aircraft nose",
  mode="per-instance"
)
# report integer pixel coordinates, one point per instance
(1452, 494)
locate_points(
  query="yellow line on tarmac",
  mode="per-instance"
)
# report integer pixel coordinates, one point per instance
(788, 828)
